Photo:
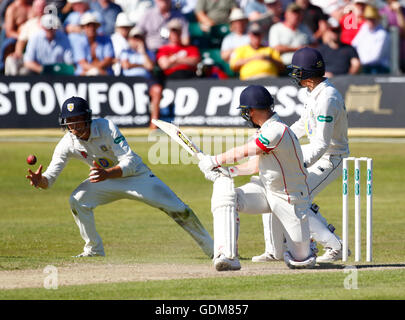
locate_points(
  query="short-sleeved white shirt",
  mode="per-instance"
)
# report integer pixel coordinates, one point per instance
(281, 166)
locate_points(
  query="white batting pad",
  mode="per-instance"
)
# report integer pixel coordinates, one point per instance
(226, 219)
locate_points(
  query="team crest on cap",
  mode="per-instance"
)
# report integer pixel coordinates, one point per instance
(70, 107)
(319, 64)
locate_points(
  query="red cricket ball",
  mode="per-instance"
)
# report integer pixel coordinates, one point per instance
(31, 159)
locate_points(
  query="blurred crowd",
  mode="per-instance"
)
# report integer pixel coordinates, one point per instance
(181, 39)
(156, 40)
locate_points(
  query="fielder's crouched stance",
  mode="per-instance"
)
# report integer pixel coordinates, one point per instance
(116, 173)
(281, 187)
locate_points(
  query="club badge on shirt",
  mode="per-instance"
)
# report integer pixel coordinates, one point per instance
(105, 162)
(104, 148)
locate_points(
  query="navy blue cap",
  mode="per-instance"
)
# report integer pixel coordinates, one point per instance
(308, 59)
(72, 107)
(256, 97)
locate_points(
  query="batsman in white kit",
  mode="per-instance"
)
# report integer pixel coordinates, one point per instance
(281, 187)
(116, 172)
(324, 122)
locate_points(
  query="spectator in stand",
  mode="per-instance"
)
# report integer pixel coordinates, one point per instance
(17, 13)
(395, 16)
(186, 7)
(351, 22)
(154, 21)
(72, 21)
(372, 43)
(137, 61)
(135, 9)
(275, 10)
(255, 61)
(48, 47)
(286, 3)
(93, 54)
(59, 5)
(176, 60)
(291, 34)
(119, 39)
(339, 58)
(238, 36)
(264, 12)
(3, 7)
(313, 17)
(255, 9)
(213, 12)
(14, 64)
(109, 11)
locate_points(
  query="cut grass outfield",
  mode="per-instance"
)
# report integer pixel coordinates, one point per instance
(37, 229)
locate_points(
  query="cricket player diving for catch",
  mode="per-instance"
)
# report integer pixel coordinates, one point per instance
(116, 172)
(281, 187)
(324, 122)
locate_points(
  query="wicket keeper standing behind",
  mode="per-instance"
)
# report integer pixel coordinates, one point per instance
(116, 172)
(324, 122)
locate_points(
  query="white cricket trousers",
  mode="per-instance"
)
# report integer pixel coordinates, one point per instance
(320, 175)
(290, 220)
(145, 187)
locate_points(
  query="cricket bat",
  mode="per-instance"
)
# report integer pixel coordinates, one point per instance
(181, 138)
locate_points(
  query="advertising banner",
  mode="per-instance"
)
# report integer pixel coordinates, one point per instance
(34, 102)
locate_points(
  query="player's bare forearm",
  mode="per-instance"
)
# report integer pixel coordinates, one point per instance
(238, 153)
(248, 168)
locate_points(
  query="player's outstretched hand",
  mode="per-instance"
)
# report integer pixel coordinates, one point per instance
(35, 177)
(97, 173)
(207, 163)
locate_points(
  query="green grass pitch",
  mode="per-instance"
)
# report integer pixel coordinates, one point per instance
(37, 229)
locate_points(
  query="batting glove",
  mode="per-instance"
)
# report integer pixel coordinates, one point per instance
(212, 175)
(207, 163)
(215, 173)
(229, 172)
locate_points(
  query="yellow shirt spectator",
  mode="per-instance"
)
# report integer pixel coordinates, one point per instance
(257, 63)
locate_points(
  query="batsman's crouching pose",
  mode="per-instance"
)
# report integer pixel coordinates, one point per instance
(281, 187)
(116, 173)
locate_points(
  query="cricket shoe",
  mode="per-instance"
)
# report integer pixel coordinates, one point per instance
(265, 257)
(331, 255)
(88, 254)
(223, 263)
(294, 264)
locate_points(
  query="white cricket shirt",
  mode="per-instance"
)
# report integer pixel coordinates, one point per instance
(106, 146)
(324, 122)
(281, 166)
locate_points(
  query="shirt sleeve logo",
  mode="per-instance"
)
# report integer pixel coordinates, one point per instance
(119, 139)
(325, 118)
(263, 140)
